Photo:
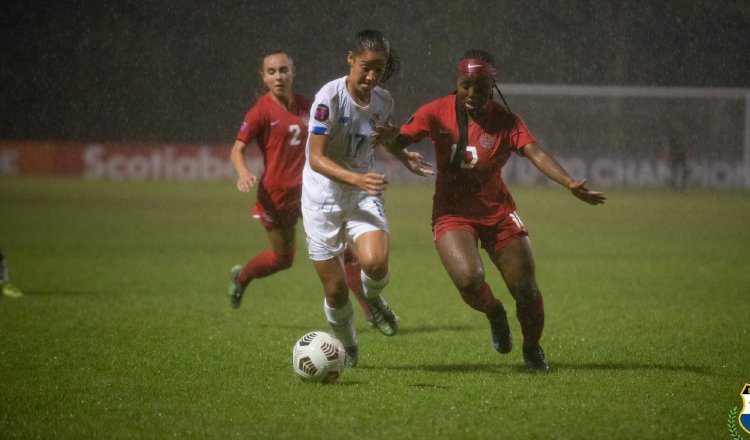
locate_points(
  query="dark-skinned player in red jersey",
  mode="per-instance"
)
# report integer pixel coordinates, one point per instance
(278, 124)
(473, 137)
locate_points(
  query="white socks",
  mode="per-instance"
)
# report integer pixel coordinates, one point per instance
(341, 321)
(372, 289)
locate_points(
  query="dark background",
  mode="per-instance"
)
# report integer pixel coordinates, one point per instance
(186, 71)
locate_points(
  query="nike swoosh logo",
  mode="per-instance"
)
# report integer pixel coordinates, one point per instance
(274, 123)
(471, 66)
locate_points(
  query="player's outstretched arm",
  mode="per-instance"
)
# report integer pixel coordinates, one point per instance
(245, 178)
(396, 144)
(551, 168)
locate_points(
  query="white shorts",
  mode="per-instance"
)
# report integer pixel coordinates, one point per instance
(327, 232)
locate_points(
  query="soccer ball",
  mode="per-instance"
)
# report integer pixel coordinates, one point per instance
(318, 357)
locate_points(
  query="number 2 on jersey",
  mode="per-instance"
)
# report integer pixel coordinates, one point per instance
(295, 132)
(360, 140)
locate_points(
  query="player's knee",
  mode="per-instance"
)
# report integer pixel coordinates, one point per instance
(470, 283)
(284, 261)
(376, 270)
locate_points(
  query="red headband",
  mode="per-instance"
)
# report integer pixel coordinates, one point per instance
(473, 66)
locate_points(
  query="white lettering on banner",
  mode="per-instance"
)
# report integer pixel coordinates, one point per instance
(719, 175)
(607, 172)
(157, 164)
(653, 173)
(122, 162)
(8, 162)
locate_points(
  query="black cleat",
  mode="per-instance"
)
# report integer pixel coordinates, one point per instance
(502, 340)
(534, 359)
(383, 317)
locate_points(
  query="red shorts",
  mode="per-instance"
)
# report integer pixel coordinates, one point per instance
(278, 210)
(492, 234)
(277, 218)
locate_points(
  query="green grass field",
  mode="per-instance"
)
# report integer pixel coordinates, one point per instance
(125, 330)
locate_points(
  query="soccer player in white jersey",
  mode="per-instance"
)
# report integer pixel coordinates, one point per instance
(341, 193)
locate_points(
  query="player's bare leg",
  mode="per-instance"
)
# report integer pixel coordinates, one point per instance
(460, 257)
(516, 264)
(337, 307)
(375, 275)
(280, 257)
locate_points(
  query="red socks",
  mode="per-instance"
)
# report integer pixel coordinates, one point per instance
(267, 263)
(530, 314)
(263, 265)
(483, 301)
(352, 268)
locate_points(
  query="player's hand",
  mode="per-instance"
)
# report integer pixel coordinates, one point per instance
(416, 163)
(578, 189)
(373, 183)
(246, 182)
(385, 134)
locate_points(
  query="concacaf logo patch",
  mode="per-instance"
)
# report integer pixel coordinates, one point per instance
(321, 113)
(741, 418)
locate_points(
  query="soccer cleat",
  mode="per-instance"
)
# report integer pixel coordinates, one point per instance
(383, 317)
(534, 359)
(352, 356)
(9, 290)
(236, 290)
(502, 340)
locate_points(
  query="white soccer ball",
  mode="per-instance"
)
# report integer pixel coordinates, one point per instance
(319, 357)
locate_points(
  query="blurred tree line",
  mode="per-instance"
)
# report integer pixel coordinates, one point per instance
(186, 71)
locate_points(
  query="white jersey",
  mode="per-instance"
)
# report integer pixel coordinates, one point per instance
(348, 126)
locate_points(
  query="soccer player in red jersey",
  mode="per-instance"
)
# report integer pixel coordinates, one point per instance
(473, 137)
(278, 123)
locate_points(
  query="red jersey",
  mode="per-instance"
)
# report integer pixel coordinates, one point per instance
(281, 135)
(477, 189)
